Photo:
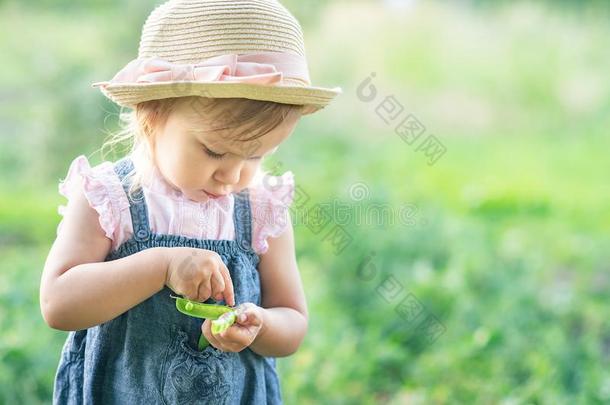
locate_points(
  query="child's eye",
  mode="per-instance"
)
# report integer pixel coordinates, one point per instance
(212, 154)
(215, 155)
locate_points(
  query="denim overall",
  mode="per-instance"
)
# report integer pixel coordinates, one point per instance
(149, 355)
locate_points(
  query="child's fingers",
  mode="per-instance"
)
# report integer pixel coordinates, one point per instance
(206, 329)
(250, 314)
(237, 335)
(231, 340)
(217, 285)
(228, 293)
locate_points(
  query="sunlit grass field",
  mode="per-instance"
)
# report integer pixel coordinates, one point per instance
(506, 243)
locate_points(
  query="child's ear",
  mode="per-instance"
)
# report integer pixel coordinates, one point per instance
(150, 136)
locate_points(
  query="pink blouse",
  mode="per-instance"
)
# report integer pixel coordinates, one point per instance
(170, 212)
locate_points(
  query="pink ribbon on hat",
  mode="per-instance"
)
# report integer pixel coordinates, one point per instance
(257, 68)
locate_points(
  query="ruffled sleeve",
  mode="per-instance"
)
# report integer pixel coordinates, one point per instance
(270, 202)
(104, 193)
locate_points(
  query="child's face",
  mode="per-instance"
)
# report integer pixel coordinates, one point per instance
(183, 156)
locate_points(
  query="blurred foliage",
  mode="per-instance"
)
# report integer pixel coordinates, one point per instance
(506, 246)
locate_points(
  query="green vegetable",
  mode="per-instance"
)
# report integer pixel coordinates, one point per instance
(203, 342)
(199, 309)
(209, 311)
(223, 322)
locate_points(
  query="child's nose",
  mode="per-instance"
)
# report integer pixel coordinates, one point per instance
(229, 174)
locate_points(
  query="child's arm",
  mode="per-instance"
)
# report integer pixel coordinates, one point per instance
(78, 289)
(283, 299)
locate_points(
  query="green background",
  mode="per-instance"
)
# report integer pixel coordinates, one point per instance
(502, 243)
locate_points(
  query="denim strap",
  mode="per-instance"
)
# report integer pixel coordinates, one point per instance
(242, 220)
(137, 204)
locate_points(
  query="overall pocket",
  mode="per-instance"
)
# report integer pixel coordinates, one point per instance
(194, 377)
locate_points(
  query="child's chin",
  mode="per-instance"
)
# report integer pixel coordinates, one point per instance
(196, 196)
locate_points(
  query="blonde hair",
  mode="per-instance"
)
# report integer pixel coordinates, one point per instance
(239, 115)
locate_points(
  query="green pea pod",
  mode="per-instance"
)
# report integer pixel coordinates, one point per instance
(223, 322)
(203, 342)
(199, 309)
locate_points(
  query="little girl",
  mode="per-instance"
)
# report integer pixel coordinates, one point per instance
(217, 87)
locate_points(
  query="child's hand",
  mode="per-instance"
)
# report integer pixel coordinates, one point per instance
(198, 274)
(241, 334)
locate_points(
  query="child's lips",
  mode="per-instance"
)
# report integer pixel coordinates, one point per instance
(212, 195)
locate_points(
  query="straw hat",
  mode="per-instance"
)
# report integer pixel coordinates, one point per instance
(219, 48)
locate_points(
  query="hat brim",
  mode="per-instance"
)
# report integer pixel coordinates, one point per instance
(314, 98)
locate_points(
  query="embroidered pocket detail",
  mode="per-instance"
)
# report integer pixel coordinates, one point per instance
(193, 377)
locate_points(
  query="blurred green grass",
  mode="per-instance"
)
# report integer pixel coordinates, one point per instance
(509, 250)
